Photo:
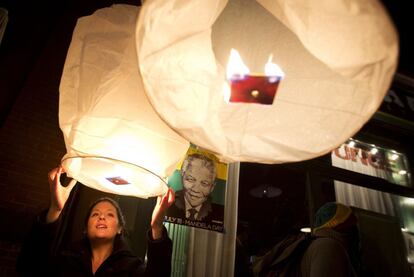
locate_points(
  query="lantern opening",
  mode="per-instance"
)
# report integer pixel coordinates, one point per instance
(114, 176)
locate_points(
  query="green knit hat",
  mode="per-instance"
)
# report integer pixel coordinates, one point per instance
(335, 216)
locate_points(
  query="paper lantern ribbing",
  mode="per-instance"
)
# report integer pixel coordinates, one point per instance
(338, 57)
(115, 140)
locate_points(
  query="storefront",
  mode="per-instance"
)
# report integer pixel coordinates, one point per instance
(372, 172)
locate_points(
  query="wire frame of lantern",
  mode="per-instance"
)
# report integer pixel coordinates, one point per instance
(115, 176)
(115, 141)
(337, 59)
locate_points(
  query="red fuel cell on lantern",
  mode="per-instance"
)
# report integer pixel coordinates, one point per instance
(254, 89)
(118, 180)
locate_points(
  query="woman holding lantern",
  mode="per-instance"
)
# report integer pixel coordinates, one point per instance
(102, 251)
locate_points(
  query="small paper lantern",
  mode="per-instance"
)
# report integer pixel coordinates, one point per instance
(338, 57)
(115, 140)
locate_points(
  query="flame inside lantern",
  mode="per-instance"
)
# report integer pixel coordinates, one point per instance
(235, 66)
(248, 88)
(273, 70)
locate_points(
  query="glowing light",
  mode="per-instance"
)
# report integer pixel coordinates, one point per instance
(351, 143)
(251, 88)
(305, 230)
(121, 172)
(394, 157)
(235, 66)
(237, 69)
(408, 201)
(226, 92)
(402, 172)
(374, 151)
(272, 69)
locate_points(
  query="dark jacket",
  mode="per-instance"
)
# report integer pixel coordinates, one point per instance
(35, 258)
(325, 253)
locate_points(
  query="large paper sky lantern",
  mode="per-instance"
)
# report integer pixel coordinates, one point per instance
(335, 60)
(115, 140)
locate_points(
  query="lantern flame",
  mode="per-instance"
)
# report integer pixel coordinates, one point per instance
(226, 92)
(244, 87)
(235, 66)
(237, 69)
(272, 69)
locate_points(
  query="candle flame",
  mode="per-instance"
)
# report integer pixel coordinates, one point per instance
(235, 66)
(238, 73)
(272, 69)
(226, 92)
(237, 69)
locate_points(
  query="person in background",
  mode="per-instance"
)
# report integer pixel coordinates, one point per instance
(103, 250)
(198, 176)
(332, 249)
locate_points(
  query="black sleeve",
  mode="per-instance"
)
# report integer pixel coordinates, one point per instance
(34, 258)
(159, 255)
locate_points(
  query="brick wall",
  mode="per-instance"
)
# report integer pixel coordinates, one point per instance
(31, 142)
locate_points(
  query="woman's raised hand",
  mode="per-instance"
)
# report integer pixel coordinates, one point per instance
(58, 194)
(159, 212)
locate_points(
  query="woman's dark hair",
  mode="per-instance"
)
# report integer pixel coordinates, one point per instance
(121, 218)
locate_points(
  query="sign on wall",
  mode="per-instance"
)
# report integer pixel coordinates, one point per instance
(199, 183)
(372, 160)
(383, 163)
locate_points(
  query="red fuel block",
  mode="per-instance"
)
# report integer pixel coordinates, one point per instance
(117, 181)
(254, 89)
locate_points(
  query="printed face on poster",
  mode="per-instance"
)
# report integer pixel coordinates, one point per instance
(199, 183)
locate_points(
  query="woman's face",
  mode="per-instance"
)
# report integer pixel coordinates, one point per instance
(103, 222)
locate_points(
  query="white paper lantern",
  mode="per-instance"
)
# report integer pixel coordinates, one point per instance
(115, 140)
(338, 57)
